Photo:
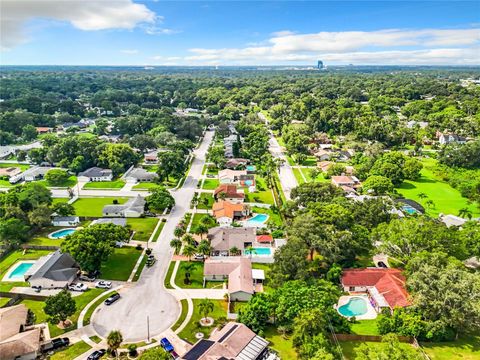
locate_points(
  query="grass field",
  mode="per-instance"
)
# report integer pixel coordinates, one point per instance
(71, 181)
(219, 311)
(169, 275)
(140, 268)
(159, 231)
(93, 206)
(112, 185)
(283, 345)
(205, 201)
(465, 348)
(298, 176)
(262, 195)
(145, 186)
(71, 352)
(42, 237)
(349, 347)
(196, 277)
(143, 227)
(120, 264)
(22, 167)
(446, 199)
(5, 183)
(196, 219)
(210, 184)
(365, 327)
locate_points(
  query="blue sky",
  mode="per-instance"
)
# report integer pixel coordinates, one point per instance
(131, 32)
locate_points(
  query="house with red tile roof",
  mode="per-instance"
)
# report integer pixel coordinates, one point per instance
(229, 192)
(384, 287)
(225, 212)
(266, 238)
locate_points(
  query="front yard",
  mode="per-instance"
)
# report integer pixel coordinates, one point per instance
(120, 264)
(143, 227)
(205, 201)
(196, 276)
(145, 186)
(210, 184)
(349, 347)
(71, 352)
(110, 185)
(92, 207)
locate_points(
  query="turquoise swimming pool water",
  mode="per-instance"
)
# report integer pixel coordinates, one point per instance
(410, 210)
(354, 307)
(20, 270)
(258, 219)
(250, 167)
(61, 233)
(260, 251)
(249, 182)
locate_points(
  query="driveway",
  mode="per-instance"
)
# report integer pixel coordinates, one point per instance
(148, 297)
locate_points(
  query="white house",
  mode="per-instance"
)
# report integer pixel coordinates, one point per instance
(137, 175)
(95, 174)
(449, 138)
(65, 221)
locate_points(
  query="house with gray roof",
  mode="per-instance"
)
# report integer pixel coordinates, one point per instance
(95, 174)
(222, 239)
(115, 221)
(134, 207)
(65, 221)
(32, 174)
(53, 271)
(137, 175)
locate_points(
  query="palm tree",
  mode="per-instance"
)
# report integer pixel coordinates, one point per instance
(188, 267)
(465, 213)
(222, 195)
(430, 204)
(250, 250)
(208, 220)
(189, 250)
(114, 340)
(188, 239)
(204, 248)
(205, 307)
(201, 230)
(234, 251)
(179, 231)
(422, 195)
(176, 244)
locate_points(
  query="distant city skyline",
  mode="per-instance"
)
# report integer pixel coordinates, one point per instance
(131, 32)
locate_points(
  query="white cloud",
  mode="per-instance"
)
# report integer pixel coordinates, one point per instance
(435, 46)
(87, 15)
(129, 51)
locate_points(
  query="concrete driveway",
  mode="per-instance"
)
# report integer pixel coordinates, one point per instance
(148, 297)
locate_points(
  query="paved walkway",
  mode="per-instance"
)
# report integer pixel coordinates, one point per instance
(148, 298)
(218, 294)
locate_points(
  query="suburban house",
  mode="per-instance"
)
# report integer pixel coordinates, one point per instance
(229, 193)
(265, 239)
(347, 183)
(10, 171)
(18, 340)
(247, 180)
(32, 174)
(229, 176)
(137, 175)
(324, 165)
(233, 341)
(134, 207)
(345, 155)
(151, 157)
(323, 155)
(235, 163)
(53, 271)
(95, 174)
(222, 239)
(115, 221)
(228, 144)
(450, 138)
(226, 212)
(43, 129)
(65, 221)
(384, 287)
(243, 281)
(452, 220)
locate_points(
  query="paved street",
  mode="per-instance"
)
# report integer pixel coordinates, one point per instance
(148, 297)
(287, 178)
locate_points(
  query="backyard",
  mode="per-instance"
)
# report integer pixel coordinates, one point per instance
(110, 185)
(92, 207)
(465, 348)
(274, 217)
(11, 259)
(262, 195)
(120, 264)
(282, 344)
(349, 347)
(143, 227)
(445, 198)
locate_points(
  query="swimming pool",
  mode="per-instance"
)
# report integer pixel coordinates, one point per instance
(250, 168)
(249, 182)
(257, 220)
(61, 233)
(261, 251)
(355, 306)
(409, 210)
(19, 271)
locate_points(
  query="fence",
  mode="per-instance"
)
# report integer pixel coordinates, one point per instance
(372, 338)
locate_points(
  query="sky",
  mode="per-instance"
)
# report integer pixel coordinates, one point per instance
(134, 32)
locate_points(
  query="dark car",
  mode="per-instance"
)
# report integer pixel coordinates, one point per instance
(112, 299)
(97, 354)
(166, 345)
(174, 355)
(87, 277)
(61, 342)
(37, 288)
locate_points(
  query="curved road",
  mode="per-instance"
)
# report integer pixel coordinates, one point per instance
(148, 297)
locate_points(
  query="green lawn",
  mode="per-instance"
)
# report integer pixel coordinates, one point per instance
(4, 301)
(298, 176)
(183, 314)
(5, 183)
(71, 352)
(140, 268)
(348, 347)
(447, 200)
(205, 201)
(169, 275)
(219, 311)
(22, 167)
(320, 177)
(60, 200)
(262, 195)
(196, 219)
(210, 184)
(95, 339)
(92, 207)
(365, 327)
(145, 186)
(143, 227)
(283, 345)
(274, 217)
(112, 185)
(159, 231)
(71, 181)
(120, 264)
(42, 237)
(465, 348)
(196, 277)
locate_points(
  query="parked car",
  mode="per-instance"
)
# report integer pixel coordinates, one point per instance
(103, 284)
(60, 342)
(37, 288)
(97, 354)
(199, 257)
(167, 346)
(112, 299)
(77, 287)
(87, 277)
(175, 356)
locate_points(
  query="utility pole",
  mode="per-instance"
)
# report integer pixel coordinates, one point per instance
(148, 329)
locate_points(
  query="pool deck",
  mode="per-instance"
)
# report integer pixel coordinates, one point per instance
(6, 277)
(50, 236)
(369, 315)
(246, 223)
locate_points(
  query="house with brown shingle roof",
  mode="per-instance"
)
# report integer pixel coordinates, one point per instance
(17, 341)
(225, 212)
(229, 192)
(233, 341)
(222, 239)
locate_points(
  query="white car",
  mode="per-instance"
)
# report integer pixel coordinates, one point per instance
(103, 285)
(78, 287)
